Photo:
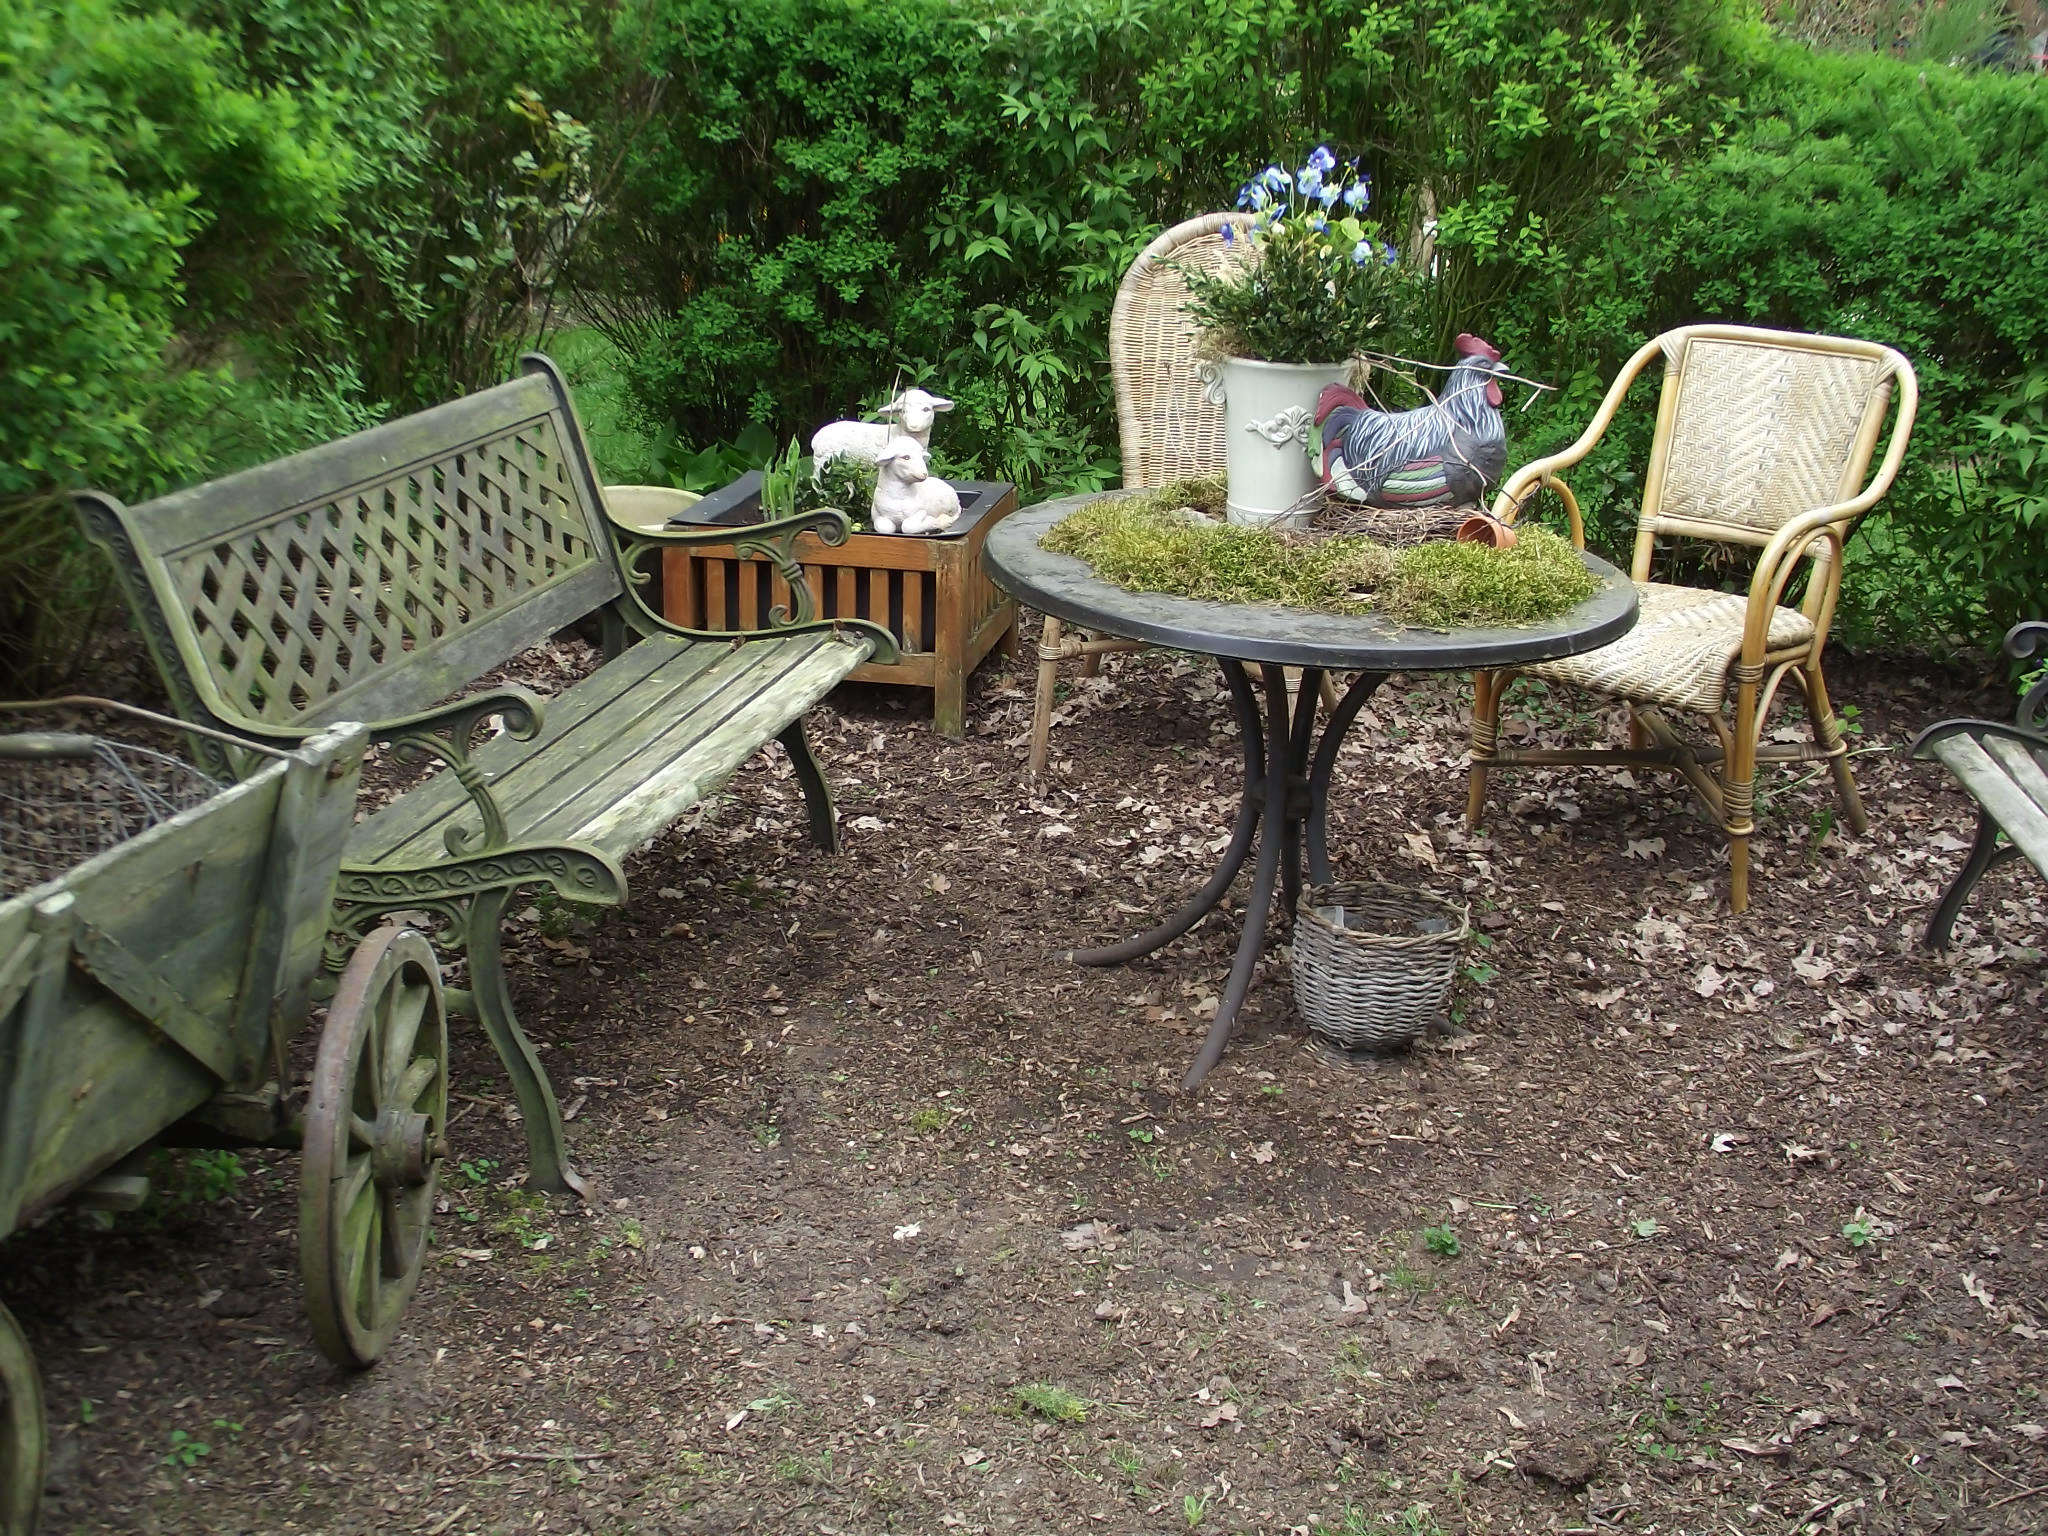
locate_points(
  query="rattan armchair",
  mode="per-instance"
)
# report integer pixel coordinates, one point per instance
(1165, 427)
(1764, 439)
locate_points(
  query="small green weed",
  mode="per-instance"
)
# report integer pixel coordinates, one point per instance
(1132, 1466)
(1442, 1241)
(1142, 1136)
(1859, 1229)
(928, 1120)
(1053, 1402)
(185, 1451)
(1647, 1227)
(1194, 1509)
(477, 1170)
(1273, 1090)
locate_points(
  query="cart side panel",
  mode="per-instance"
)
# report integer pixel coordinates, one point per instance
(139, 1032)
(316, 808)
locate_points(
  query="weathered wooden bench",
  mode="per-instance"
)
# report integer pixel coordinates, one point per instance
(376, 578)
(2001, 767)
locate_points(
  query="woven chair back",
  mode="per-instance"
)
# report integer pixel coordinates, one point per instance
(1753, 432)
(1166, 427)
(370, 577)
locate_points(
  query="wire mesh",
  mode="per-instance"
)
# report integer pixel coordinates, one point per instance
(66, 797)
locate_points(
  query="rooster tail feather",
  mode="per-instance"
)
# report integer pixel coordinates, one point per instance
(1334, 396)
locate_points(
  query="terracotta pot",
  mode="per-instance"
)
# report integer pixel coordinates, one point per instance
(1481, 529)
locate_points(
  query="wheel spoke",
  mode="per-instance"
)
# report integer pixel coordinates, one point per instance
(419, 1077)
(362, 1135)
(406, 1005)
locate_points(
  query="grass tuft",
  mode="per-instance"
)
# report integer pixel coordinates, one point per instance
(1052, 1402)
(1152, 543)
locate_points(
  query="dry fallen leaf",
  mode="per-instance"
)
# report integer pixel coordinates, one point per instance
(1603, 1000)
(1422, 848)
(1980, 1292)
(1709, 981)
(1222, 1413)
(1752, 1447)
(1263, 1152)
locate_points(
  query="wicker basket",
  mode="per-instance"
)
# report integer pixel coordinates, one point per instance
(1373, 963)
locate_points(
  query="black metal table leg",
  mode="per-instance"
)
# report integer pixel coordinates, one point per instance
(1283, 810)
(1203, 902)
(1341, 720)
(1258, 908)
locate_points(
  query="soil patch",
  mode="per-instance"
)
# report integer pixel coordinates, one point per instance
(1694, 1223)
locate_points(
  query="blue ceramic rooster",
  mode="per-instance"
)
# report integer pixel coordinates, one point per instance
(1444, 454)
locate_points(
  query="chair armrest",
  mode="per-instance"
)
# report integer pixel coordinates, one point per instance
(1531, 477)
(2026, 639)
(1924, 743)
(447, 733)
(774, 542)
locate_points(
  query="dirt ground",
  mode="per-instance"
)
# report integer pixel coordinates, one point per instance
(1694, 1224)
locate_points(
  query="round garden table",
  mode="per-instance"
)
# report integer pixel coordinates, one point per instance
(1285, 764)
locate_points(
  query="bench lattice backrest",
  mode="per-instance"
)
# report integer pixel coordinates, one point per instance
(373, 577)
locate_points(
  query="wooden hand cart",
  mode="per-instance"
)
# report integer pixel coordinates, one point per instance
(152, 989)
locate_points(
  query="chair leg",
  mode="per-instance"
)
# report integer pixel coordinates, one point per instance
(1738, 788)
(1487, 689)
(1984, 852)
(547, 1151)
(817, 793)
(1041, 707)
(1827, 732)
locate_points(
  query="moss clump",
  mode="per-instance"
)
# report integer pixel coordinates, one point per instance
(1150, 543)
(1451, 586)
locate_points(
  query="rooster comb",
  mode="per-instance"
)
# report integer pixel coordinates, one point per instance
(1469, 345)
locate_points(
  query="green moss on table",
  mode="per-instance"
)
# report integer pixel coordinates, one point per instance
(1164, 541)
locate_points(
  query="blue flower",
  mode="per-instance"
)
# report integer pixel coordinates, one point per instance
(1229, 234)
(1330, 193)
(1276, 180)
(1318, 223)
(1322, 161)
(1310, 181)
(1393, 255)
(1357, 195)
(1361, 253)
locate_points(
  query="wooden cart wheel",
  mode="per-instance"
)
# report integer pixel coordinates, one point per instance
(376, 1124)
(22, 1433)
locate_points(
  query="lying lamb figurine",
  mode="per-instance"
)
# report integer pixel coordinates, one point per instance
(907, 499)
(911, 414)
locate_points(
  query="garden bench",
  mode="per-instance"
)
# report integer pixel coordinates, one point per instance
(2001, 767)
(378, 577)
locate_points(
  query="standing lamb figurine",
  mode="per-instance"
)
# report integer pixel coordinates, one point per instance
(909, 415)
(907, 499)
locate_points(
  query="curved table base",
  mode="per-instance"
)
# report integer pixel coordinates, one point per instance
(1284, 766)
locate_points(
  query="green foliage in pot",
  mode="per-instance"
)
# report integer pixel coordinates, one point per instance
(1315, 284)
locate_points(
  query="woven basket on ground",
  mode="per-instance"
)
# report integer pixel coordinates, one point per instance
(1374, 963)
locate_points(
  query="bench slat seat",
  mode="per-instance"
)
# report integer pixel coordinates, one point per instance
(2004, 768)
(2002, 776)
(669, 721)
(382, 577)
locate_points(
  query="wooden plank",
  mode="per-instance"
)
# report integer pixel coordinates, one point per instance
(708, 761)
(2022, 820)
(668, 722)
(417, 817)
(2021, 767)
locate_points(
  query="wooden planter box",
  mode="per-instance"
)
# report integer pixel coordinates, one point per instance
(930, 593)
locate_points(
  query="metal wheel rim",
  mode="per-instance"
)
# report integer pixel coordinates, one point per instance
(363, 1232)
(23, 1436)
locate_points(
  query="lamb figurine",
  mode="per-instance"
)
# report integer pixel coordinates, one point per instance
(907, 499)
(909, 415)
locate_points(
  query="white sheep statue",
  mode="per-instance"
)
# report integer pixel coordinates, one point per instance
(907, 499)
(909, 415)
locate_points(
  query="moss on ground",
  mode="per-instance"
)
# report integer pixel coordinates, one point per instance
(1150, 543)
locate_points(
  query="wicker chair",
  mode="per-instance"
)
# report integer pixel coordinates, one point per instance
(1167, 431)
(1762, 439)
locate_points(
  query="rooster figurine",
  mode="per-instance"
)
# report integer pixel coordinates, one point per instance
(1444, 454)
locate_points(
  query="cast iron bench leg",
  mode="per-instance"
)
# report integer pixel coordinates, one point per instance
(1985, 854)
(817, 793)
(547, 1149)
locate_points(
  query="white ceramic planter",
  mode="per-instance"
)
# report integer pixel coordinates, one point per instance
(1269, 432)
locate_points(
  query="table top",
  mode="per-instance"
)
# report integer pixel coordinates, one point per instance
(1068, 588)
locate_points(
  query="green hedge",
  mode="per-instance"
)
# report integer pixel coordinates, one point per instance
(230, 227)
